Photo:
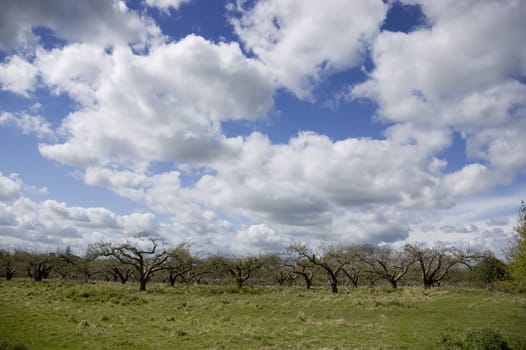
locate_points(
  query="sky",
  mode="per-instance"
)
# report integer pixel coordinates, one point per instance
(245, 126)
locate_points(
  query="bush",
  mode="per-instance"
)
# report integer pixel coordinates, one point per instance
(489, 270)
(481, 339)
(486, 338)
(9, 345)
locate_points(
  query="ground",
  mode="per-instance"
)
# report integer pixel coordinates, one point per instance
(75, 315)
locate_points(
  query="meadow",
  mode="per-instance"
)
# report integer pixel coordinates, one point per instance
(72, 315)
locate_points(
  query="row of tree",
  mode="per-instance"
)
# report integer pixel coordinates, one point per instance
(148, 258)
(151, 260)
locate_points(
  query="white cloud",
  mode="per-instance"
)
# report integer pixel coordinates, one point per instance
(481, 222)
(51, 224)
(500, 221)
(18, 76)
(105, 22)
(48, 224)
(463, 74)
(6, 216)
(311, 187)
(28, 124)
(301, 41)
(254, 239)
(167, 105)
(459, 228)
(472, 178)
(164, 194)
(160, 191)
(300, 182)
(448, 61)
(165, 5)
(77, 69)
(10, 187)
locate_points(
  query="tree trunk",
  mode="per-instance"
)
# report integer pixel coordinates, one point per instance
(333, 280)
(87, 277)
(394, 284)
(172, 280)
(308, 278)
(240, 283)
(334, 286)
(428, 284)
(38, 273)
(38, 276)
(142, 284)
(9, 274)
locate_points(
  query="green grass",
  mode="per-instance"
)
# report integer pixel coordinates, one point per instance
(69, 315)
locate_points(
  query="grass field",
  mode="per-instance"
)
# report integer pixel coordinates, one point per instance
(70, 315)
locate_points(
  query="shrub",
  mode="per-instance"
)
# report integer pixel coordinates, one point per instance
(486, 338)
(480, 339)
(489, 270)
(10, 345)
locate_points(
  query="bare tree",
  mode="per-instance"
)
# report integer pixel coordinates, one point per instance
(71, 266)
(274, 267)
(182, 265)
(388, 264)
(371, 277)
(67, 264)
(355, 268)
(303, 267)
(435, 263)
(38, 265)
(119, 271)
(146, 261)
(7, 264)
(285, 276)
(332, 260)
(86, 268)
(353, 272)
(240, 268)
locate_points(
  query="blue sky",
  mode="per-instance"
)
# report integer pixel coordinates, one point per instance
(245, 126)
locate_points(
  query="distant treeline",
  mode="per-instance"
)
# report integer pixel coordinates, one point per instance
(148, 259)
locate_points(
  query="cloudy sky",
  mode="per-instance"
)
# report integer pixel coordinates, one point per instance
(245, 126)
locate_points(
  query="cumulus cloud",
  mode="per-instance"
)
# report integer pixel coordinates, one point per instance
(472, 178)
(501, 221)
(18, 76)
(54, 224)
(301, 41)
(76, 69)
(472, 222)
(96, 21)
(448, 62)
(164, 194)
(6, 216)
(300, 182)
(459, 228)
(48, 224)
(10, 187)
(167, 105)
(445, 77)
(165, 5)
(311, 187)
(28, 124)
(257, 238)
